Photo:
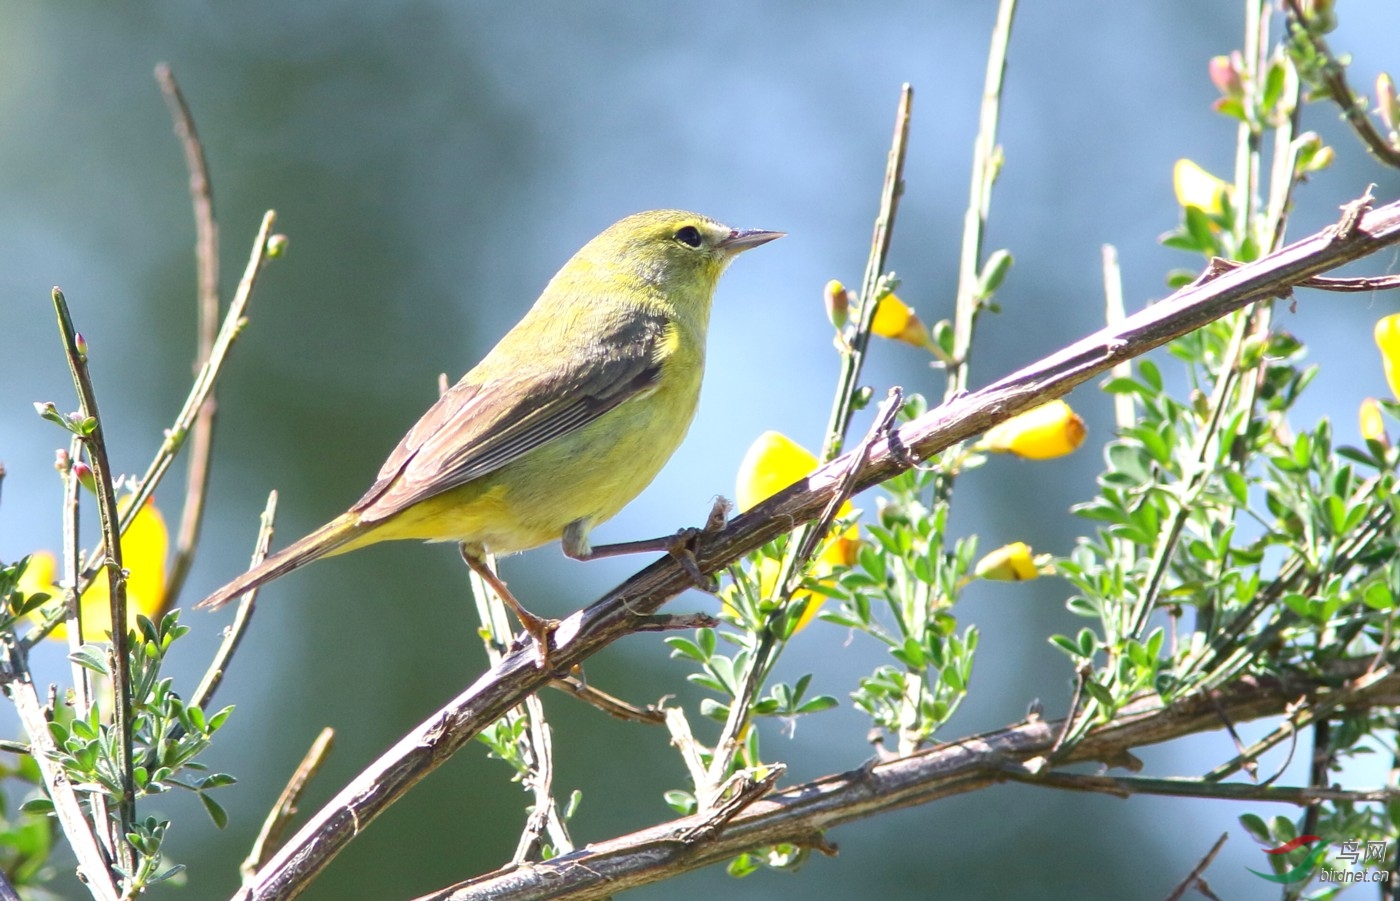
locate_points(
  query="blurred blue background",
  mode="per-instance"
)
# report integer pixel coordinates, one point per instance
(432, 164)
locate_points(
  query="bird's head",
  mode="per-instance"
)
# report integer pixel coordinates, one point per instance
(678, 251)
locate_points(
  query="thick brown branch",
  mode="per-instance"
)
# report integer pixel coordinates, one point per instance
(588, 631)
(800, 814)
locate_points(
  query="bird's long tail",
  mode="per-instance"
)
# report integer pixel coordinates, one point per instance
(338, 535)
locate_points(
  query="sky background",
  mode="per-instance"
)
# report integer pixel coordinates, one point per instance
(433, 163)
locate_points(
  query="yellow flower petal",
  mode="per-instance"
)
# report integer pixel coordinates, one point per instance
(1196, 187)
(1010, 563)
(144, 549)
(773, 462)
(1388, 340)
(1372, 422)
(896, 321)
(1043, 433)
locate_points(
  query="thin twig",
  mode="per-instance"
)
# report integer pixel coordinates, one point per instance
(589, 630)
(207, 279)
(1127, 786)
(233, 635)
(986, 165)
(612, 706)
(72, 561)
(96, 447)
(770, 645)
(208, 373)
(1359, 284)
(870, 293)
(1124, 406)
(286, 806)
(535, 747)
(1194, 877)
(175, 435)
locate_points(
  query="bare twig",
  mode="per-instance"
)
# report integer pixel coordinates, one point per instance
(208, 373)
(96, 447)
(612, 706)
(536, 746)
(1124, 407)
(207, 279)
(286, 806)
(1127, 786)
(175, 436)
(1194, 877)
(587, 631)
(1357, 285)
(853, 359)
(72, 561)
(233, 635)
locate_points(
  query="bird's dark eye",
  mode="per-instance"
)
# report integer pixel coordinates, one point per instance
(689, 236)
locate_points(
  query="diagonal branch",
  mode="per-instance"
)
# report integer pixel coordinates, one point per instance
(206, 230)
(802, 813)
(586, 632)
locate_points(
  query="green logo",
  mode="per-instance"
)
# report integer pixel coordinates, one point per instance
(1302, 870)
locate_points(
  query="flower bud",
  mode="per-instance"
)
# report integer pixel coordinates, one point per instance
(1372, 422)
(838, 304)
(83, 473)
(1387, 103)
(1225, 75)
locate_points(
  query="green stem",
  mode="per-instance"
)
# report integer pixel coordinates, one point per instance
(121, 647)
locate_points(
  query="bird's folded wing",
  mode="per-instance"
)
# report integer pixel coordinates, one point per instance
(476, 428)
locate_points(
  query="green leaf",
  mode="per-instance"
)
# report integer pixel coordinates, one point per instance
(993, 273)
(1098, 692)
(215, 811)
(741, 866)
(818, 704)
(1255, 826)
(1378, 596)
(682, 802)
(684, 647)
(37, 806)
(91, 657)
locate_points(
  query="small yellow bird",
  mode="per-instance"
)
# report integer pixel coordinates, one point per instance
(566, 420)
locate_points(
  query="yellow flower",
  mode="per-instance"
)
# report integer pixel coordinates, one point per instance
(1012, 563)
(1042, 433)
(894, 320)
(1388, 340)
(772, 463)
(144, 548)
(1196, 187)
(1372, 423)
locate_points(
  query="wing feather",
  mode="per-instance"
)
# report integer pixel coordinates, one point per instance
(477, 427)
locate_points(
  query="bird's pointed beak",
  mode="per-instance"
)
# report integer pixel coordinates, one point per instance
(741, 239)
